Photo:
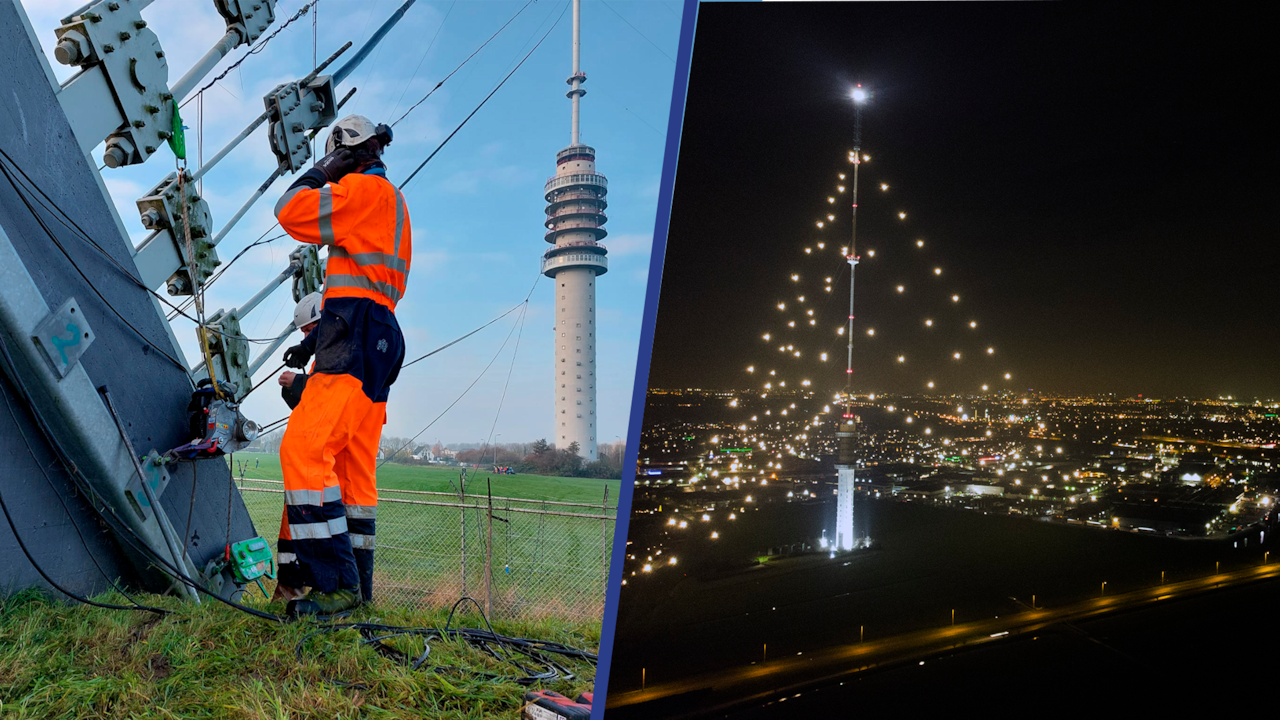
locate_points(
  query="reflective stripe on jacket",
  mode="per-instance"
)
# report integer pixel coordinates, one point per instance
(364, 222)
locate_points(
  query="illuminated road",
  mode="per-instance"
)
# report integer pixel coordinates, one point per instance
(730, 687)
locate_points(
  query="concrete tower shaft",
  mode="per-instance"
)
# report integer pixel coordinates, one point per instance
(575, 221)
(846, 454)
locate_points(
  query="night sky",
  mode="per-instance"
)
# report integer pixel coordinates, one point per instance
(1099, 185)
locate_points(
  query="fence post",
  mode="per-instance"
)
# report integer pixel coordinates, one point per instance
(604, 546)
(488, 559)
(462, 500)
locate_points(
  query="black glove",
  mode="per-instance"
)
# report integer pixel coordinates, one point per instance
(337, 164)
(297, 356)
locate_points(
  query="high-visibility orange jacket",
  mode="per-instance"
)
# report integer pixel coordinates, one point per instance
(364, 222)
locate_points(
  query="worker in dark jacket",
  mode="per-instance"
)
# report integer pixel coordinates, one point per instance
(347, 204)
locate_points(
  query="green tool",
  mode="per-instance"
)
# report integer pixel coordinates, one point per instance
(250, 560)
(177, 138)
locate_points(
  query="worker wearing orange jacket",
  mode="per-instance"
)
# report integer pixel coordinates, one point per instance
(345, 203)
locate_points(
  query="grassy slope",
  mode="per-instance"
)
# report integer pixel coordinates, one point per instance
(420, 477)
(210, 661)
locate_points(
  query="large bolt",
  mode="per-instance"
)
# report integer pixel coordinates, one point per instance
(139, 24)
(138, 124)
(113, 6)
(179, 284)
(108, 48)
(151, 219)
(119, 152)
(72, 48)
(124, 36)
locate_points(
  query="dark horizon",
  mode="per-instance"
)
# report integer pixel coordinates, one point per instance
(1093, 182)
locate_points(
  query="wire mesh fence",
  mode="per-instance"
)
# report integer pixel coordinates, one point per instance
(519, 558)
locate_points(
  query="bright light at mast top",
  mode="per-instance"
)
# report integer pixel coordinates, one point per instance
(859, 95)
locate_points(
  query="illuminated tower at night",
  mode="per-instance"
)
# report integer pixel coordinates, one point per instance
(846, 436)
(846, 458)
(575, 226)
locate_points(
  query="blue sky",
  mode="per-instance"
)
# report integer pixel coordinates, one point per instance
(477, 208)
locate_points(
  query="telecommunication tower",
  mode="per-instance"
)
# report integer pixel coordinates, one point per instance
(847, 434)
(575, 198)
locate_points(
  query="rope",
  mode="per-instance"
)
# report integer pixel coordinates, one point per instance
(197, 284)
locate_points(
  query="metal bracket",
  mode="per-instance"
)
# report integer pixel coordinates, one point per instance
(63, 336)
(310, 274)
(153, 466)
(229, 350)
(161, 210)
(111, 35)
(293, 109)
(250, 18)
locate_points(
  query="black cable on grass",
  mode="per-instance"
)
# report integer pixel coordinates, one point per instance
(535, 653)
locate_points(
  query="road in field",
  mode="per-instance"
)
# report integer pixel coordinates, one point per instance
(755, 682)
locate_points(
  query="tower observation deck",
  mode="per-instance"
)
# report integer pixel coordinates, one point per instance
(575, 220)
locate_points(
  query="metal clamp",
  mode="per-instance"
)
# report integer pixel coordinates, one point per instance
(309, 276)
(113, 36)
(293, 109)
(228, 348)
(250, 18)
(161, 210)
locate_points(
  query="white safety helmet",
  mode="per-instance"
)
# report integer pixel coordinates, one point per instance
(307, 310)
(355, 129)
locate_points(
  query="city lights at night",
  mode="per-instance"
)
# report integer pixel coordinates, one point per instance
(1018, 394)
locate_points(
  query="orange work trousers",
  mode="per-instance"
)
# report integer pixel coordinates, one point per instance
(328, 455)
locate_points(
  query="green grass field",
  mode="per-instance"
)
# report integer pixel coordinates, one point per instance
(445, 479)
(211, 661)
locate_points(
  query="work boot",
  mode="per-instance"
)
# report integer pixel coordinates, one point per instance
(324, 603)
(364, 564)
